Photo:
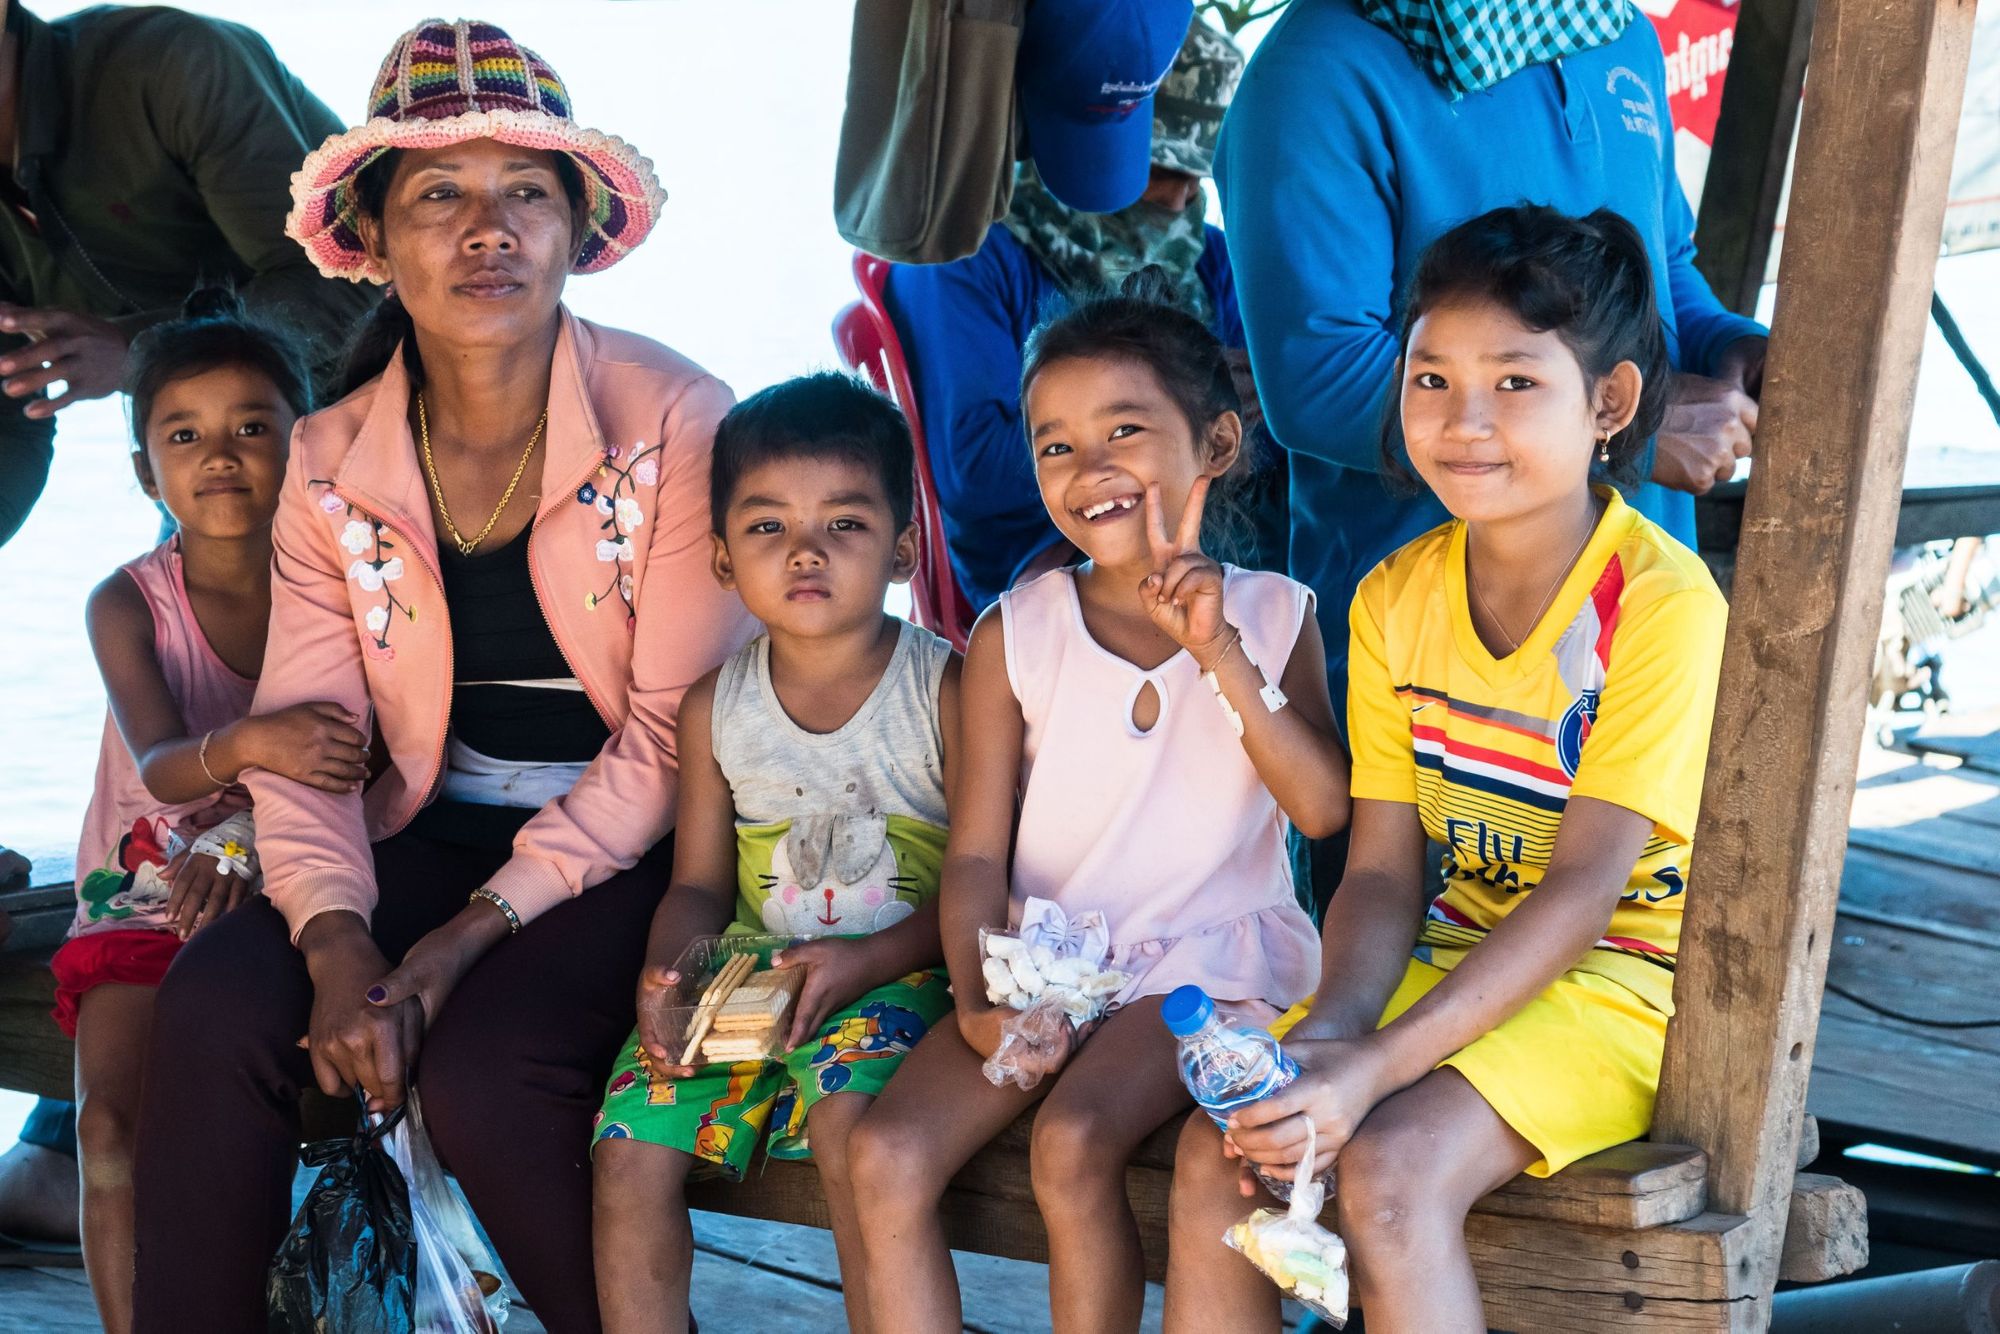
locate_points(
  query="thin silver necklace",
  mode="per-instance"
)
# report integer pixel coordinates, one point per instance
(1512, 643)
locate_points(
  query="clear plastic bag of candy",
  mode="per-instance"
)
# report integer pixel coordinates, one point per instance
(1305, 1260)
(1034, 1043)
(1052, 973)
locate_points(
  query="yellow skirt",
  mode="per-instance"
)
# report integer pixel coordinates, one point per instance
(1573, 1072)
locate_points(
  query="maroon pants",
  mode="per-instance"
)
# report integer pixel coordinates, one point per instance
(511, 1071)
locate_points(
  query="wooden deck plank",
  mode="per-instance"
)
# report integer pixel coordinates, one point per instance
(1973, 739)
(1874, 1075)
(1918, 931)
(34, 1301)
(1923, 976)
(999, 1295)
(1922, 896)
(725, 1289)
(1942, 840)
(1921, 791)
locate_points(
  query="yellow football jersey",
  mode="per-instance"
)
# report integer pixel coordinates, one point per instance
(1610, 696)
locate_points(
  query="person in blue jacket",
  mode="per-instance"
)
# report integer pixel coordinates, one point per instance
(962, 324)
(1362, 131)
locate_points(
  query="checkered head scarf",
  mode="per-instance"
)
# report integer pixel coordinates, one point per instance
(1472, 44)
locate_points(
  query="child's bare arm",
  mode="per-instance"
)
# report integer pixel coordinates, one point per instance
(1297, 750)
(983, 782)
(1563, 917)
(121, 637)
(1597, 844)
(310, 742)
(701, 897)
(1371, 922)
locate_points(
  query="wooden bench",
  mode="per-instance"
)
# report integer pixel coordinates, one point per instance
(34, 1055)
(1617, 1240)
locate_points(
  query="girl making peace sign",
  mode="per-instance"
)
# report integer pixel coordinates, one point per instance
(1138, 731)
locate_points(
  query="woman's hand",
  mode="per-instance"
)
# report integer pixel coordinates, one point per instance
(1340, 1081)
(354, 1044)
(433, 966)
(1183, 594)
(313, 743)
(838, 971)
(201, 892)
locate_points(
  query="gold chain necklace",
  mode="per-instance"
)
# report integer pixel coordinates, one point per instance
(1536, 619)
(466, 548)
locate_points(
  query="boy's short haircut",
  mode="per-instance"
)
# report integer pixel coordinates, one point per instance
(822, 415)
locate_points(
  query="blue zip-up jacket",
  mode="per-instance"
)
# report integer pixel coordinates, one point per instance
(1340, 160)
(962, 326)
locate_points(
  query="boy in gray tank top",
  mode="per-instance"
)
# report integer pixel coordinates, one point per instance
(812, 804)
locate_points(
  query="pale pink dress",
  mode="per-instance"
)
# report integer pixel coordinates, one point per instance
(1169, 832)
(121, 858)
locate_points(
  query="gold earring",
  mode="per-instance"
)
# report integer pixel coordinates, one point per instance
(1604, 448)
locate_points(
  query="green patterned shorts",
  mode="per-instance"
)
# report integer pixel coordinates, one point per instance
(719, 1113)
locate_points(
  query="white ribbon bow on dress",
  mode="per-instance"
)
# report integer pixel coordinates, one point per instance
(1085, 936)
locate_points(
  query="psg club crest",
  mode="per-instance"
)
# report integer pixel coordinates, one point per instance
(1574, 730)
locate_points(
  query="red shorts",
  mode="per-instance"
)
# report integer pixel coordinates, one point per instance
(129, 958)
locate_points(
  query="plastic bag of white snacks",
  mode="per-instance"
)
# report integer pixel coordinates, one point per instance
(1052, 970)
(1289, 1246)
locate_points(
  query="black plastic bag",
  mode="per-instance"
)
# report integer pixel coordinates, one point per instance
(349, 1264)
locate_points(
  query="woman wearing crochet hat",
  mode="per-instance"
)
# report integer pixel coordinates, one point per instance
(494, 554)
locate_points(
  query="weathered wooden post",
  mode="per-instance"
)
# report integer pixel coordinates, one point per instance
(1867, 206)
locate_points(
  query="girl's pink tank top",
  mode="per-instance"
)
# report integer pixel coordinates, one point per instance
(1169, 832)
(127, 833)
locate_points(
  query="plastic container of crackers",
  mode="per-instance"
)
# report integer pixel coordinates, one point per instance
(730, 1005)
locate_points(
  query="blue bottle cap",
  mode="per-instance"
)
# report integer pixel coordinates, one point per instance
(1186, 1009)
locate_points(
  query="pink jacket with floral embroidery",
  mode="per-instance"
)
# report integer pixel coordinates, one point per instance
(620, 558)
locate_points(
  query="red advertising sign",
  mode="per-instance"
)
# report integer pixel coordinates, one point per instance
(1696, 37)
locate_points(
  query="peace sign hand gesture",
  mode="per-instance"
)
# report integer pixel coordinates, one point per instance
(1183, 594)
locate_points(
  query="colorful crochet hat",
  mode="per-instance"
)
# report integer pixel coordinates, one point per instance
(444, 83)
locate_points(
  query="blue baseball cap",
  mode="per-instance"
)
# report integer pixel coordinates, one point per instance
(1085, 77)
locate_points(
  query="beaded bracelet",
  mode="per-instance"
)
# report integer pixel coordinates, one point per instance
(506, 908)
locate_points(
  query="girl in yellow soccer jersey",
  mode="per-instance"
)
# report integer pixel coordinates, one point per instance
(1531, 687)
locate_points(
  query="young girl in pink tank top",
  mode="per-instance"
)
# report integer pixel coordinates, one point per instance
(1139, 729)
(168, 842)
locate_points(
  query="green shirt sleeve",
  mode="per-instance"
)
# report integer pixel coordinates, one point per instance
(241, 123)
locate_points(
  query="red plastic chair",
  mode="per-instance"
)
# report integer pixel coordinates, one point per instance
(865, 338)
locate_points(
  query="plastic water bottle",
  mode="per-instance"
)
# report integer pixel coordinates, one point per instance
(1226, 1066)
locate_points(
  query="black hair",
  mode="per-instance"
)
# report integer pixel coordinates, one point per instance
(1588, 280)
(822, 415)
(213, 331)
(1140, 322)
(388, 324)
